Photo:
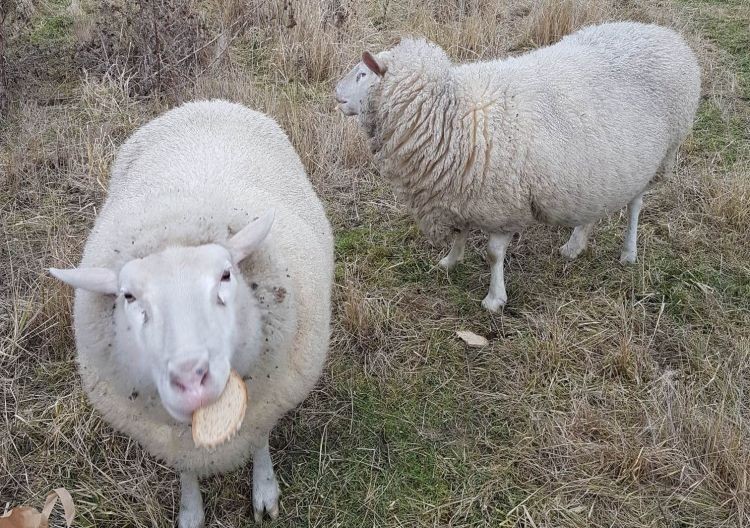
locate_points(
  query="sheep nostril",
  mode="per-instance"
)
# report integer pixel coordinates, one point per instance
(179, 386)
(201, 373)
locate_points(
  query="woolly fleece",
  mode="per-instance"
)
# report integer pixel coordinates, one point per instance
(196, 175)
(562, 135)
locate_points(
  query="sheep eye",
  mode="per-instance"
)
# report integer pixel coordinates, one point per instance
(360, 75)
(129, 297)
(225, 276)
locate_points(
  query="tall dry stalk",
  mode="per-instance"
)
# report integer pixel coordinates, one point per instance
(4, 8)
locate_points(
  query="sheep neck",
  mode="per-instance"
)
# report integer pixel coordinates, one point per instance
(433, 143)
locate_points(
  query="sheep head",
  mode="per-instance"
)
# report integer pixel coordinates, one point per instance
(352, 90)
(180, 314)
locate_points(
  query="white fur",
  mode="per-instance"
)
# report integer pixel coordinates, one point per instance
(351, 92)
(184, 191)
(562, 135)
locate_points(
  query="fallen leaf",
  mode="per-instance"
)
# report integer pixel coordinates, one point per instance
(27, 517)
(472, 339)
(21, 517)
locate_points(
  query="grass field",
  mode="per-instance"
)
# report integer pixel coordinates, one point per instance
(610, 395)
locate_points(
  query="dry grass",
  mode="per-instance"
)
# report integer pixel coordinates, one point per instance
(609, 396)
(550, 20)
(156, 44)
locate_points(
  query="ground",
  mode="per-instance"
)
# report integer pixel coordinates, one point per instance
(609, 395)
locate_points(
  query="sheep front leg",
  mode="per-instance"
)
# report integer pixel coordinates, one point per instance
(629, 249)
(265, 487)
(497, 297)
(456, 253)
(191, 502)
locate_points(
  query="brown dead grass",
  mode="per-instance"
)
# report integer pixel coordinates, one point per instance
(550, 20)
(608, 396)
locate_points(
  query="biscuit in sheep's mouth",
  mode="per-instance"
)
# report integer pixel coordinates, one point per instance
(218, 422)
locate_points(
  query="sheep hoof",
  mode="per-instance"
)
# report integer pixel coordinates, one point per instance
(447, 263)
(628, 257)
(571, 251)
(190, 518)
(493, 304)
(265, 499)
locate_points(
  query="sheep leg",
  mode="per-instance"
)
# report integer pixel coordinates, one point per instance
(265, 487)
(629, 251)
(577, 241)
(456, 253)
(670, 162)
(496, 297)
(191, 502)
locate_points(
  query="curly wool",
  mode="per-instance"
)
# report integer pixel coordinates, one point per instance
(563, 135)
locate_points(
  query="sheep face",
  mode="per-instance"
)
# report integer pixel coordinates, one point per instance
(352, 90)
(180, 314)
(176, 323)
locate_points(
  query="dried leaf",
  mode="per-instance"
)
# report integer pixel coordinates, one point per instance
(66, 500)
(472, 339)
(21, 517)
(27, 517)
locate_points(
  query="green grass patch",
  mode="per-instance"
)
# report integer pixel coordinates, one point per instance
(51, 29)
(727, 24)
(391, 256)
(400, 448)
(732, 34)
(688, 282)
(714, 134)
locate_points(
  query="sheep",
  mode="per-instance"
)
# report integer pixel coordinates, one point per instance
(211, 251)
(562, 135)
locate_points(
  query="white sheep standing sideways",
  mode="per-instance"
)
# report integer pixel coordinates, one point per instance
(563, 135)
(178, 284)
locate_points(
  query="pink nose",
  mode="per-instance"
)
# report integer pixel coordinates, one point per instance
(189, 377)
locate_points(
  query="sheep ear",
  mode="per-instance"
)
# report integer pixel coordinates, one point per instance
(371, 62)
(98, 280)
(251, 236)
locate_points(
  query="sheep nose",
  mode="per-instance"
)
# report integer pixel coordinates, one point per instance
(189, 374)
(340, 99)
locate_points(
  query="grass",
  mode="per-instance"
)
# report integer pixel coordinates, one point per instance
(51, 29)
(609, 395)
(714, 133)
